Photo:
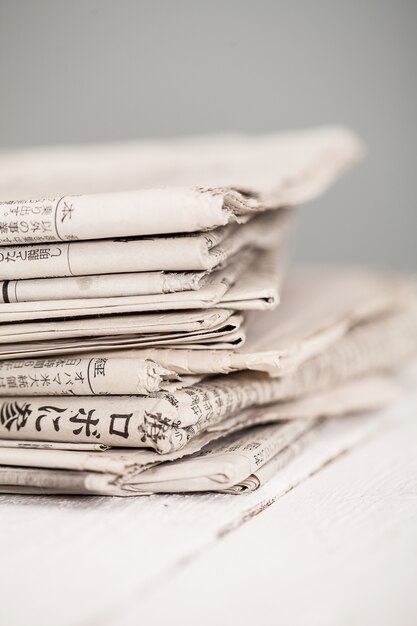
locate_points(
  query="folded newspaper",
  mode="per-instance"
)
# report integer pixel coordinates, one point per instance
(142, 348)
(177, 187)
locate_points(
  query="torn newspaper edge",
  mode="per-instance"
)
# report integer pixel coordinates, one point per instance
(85, 376)
(226, 179)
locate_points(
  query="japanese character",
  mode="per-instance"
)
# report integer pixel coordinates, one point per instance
(23, 380)
(66, 211)
(45, 380)
(123, 421)
(99, 367)
(13, 413)
(86, 422)
(155, 426)
(49, 409)
(79, 377)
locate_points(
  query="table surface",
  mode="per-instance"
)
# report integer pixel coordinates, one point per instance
(332, 539)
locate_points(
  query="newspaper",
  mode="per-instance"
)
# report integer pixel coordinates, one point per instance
(277, 342)
(317, 307)
(168, 421)
(111, 461)
(82, 376)
(224, 336)
(264, 473)
(131, 325)
(259, 289)
(218, 466)
(327, 439)
(66, 375)
(223, 464)
(100, 286)
(265, 268)
(236, 177)
(200, 251)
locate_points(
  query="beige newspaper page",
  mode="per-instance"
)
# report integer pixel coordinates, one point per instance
(223, 464)
(251, 277)
(317, 307)
(219, 465)
(259, 289)
(100, 286)
(281, 327)
(82, 377)
(57, 375)
(167, 323)
(202, 251)
(211, 293)
(82, 457)
(224, 335)
(264, 473)
(167, 421)
(198, 184)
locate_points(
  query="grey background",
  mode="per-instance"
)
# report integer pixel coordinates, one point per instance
(84, 70)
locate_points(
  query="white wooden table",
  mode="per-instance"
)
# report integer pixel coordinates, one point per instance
(331, 540)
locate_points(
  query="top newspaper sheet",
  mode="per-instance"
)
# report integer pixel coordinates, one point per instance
(178, 186)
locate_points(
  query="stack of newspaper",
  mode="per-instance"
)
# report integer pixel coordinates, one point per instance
(142, 348)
